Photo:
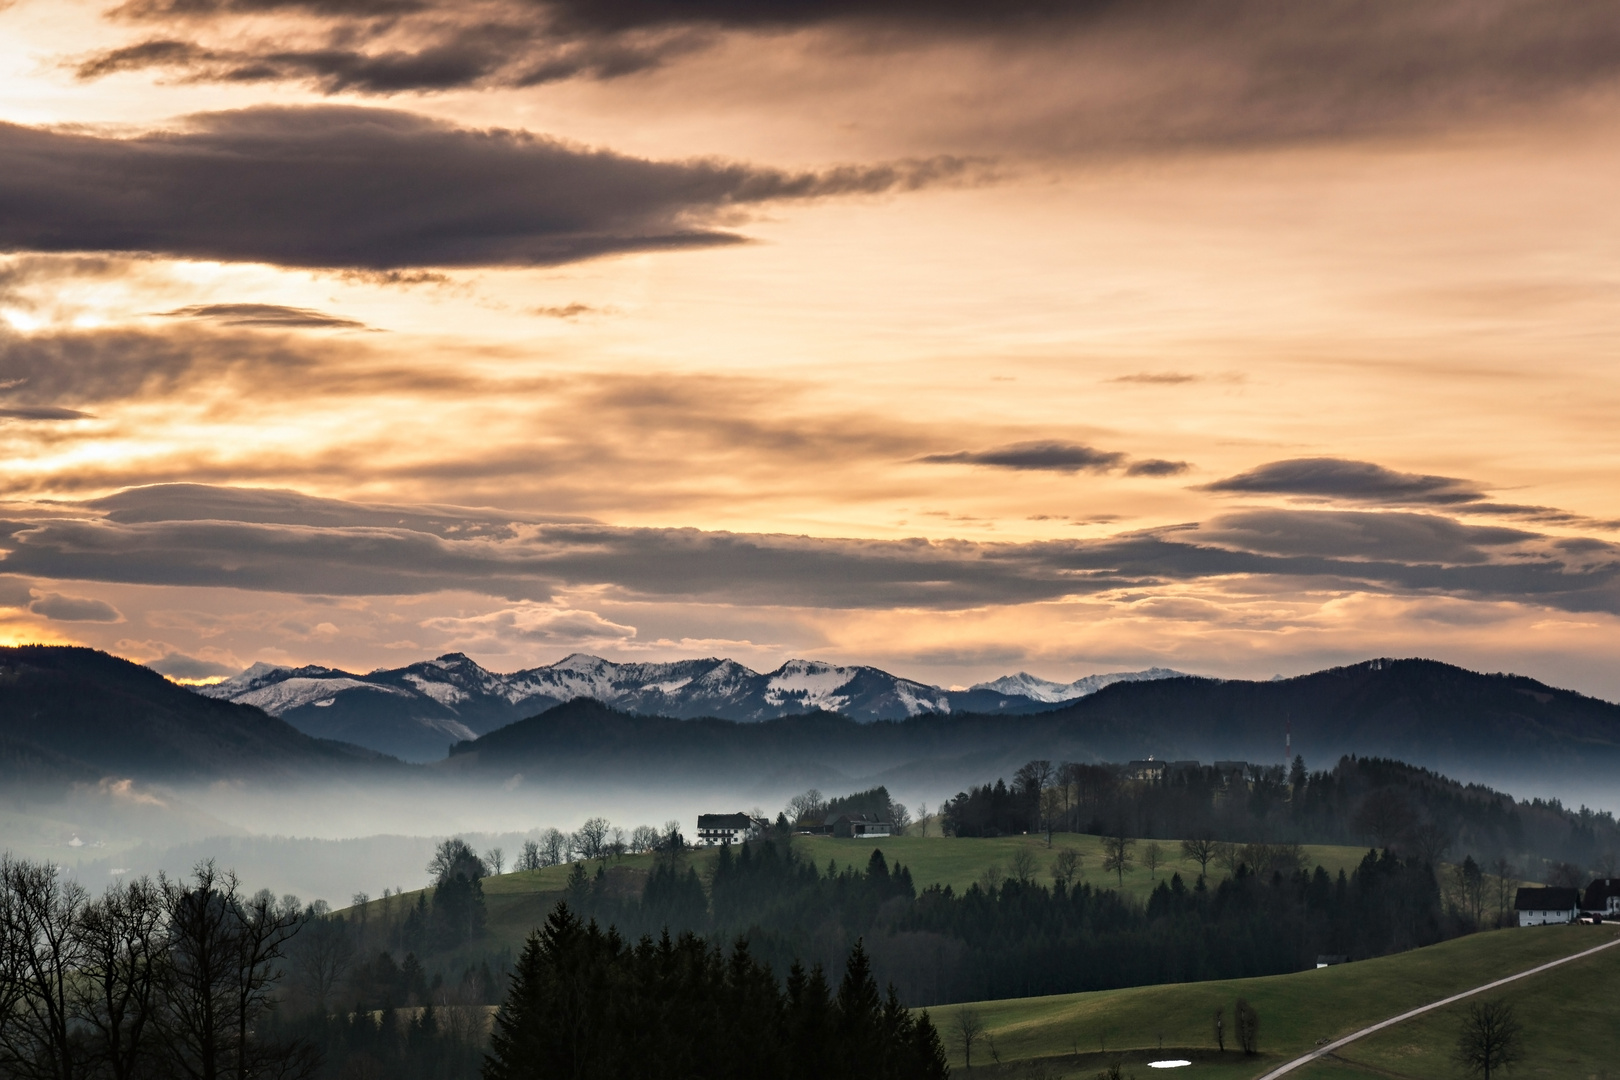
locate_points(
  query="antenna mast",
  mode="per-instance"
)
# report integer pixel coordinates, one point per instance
(1288, 741)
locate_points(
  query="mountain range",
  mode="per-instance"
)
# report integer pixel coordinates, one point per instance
(1504, 729)
(76, 716)
(416, 712)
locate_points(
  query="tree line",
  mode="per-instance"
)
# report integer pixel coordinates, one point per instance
(150, 979)
(586, 1003)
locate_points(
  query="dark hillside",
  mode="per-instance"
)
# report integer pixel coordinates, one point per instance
(1422, 711)
(71, 713)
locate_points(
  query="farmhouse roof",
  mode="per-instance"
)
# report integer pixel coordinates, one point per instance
(724, 821)
(1598, 893)
(1548, 899)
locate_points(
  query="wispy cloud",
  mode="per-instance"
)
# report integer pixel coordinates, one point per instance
(265, 316)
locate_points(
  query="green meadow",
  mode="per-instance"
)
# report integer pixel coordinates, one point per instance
(1571, 1016)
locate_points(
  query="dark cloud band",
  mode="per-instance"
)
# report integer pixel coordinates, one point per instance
(1243, 72)
(156, 537)
(378, 189)
(1043, 456)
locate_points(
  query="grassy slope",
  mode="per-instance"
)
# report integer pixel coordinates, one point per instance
(1571, 1018)
(1570, 1012)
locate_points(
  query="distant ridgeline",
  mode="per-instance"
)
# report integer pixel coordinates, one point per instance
(1497, 728)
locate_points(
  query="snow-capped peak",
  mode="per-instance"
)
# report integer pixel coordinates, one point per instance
(1036, 688)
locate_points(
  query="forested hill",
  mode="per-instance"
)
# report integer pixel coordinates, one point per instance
(1422, 711)
(75, 714)
(1430, 714)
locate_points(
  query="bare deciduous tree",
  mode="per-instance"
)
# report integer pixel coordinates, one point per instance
(643, 838)
(123, 969)
(1066, 866)
(808, 807)
(1201, 850)
(40, 955)
(553, 847)
(1153, 857)
(969, 1027)
(1491, 1038)
(1429, 841)
(922, 818)
(1505, 879)
(452, 858)
(592, 838)
(324, 952)
(224, 959)
(495, 860)
(1247, 1022)
(1052, 807)
(900, 817)
(1117, 853)
(1022, 866)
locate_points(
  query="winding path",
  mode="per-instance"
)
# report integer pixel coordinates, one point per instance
(1322, 1051)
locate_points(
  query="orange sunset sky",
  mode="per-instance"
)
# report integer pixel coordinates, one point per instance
(955, 338)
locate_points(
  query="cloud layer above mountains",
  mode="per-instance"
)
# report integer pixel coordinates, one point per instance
(194, 536)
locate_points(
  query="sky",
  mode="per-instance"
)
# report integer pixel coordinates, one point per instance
(956, 338)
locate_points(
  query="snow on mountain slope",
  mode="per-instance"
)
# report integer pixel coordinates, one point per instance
(1035, 688)
(809, 684)
(279, 697)
(414, 711)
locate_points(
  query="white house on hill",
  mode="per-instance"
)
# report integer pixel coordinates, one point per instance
(1539, 907)
(728, 828)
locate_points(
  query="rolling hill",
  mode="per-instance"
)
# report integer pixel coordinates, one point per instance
(75, 714)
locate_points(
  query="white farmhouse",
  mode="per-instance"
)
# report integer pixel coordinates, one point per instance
(1539, 907)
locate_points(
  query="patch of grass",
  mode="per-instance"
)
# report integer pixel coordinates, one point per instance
(1299, 1009)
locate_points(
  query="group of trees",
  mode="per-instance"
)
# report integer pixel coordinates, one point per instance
(165, 978)
(1386, 804)
(597, 838)
(585, 1003)
(811, 808)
